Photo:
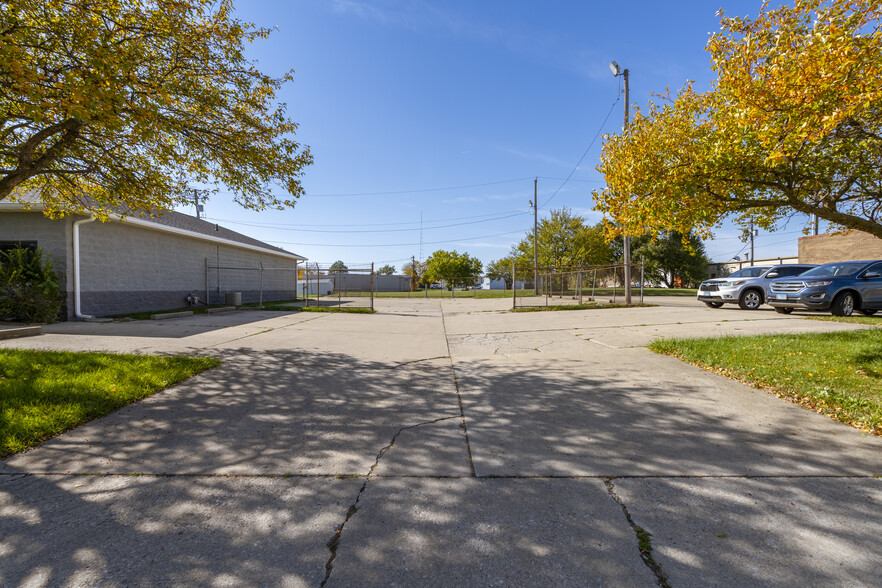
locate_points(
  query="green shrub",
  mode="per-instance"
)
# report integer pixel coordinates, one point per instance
(29, 288)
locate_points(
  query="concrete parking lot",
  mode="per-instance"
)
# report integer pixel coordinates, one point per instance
(444, 442)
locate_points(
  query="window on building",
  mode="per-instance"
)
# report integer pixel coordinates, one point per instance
(7, 245)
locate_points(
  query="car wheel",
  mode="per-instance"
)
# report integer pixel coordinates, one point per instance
(843, 304)
(867, 311)
(750, 300)
(714, 304)
(783, 309)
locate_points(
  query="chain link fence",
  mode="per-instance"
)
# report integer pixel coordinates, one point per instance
(352, 287)
(239, 283)
(314, 284)
(576, 285)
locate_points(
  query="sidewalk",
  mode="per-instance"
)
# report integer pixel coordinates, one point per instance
(445, 443)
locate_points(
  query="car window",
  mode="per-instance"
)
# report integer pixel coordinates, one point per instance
(834, 269)
(876, 267)
(784, 272)
(750, 272)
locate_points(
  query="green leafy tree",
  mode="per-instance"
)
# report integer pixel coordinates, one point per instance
(338, 266)
(564, 240)
(416, 270)
(792, 125)
(29, 288)
(669, 260)
(501, 270)
(455, 269)
(386, 270)
(125, 103)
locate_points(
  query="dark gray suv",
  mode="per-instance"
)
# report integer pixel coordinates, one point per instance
(748, 286)
(842, 287)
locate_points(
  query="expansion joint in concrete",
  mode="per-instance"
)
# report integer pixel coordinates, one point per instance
(406, 363)
(264, 331)
(334, 543)
(644, 538)
(465, 428)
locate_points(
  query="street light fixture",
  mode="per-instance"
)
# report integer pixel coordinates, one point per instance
(617, 71)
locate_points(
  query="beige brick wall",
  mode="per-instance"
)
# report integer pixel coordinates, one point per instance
(839, 247)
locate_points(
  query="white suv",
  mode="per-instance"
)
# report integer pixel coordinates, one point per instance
(747, 287)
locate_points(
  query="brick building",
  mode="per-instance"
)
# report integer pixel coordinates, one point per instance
(141, 263)
(844, 246)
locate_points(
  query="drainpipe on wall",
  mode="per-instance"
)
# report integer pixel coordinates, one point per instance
(76, 268)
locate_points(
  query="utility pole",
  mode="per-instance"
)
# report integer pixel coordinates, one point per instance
(753, 233)
(196, 194)
(413, 280)
(535, 205)
(616, 70)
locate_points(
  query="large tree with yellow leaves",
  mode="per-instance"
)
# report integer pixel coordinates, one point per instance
(793, 124)
(125, 103)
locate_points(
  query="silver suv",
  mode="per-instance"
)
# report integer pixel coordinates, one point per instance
(747, 287)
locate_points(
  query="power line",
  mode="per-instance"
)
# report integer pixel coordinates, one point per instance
(571, 180)
(302, 230)
(600, 130)
(417, 191)
(394, 244)
(440, 220)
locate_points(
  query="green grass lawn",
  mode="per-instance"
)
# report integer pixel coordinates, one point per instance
(836, 374)
(587, 306)
(44, 393)
(523, 293)
(859, 319)
(348, 309)
(477, 293)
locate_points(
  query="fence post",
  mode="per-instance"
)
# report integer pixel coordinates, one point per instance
(514, 287)
(580, 285)
(642, 268)
(615, 279)
(427, 291)
(372, 286)
(260, 302)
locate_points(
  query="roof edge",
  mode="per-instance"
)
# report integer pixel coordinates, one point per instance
(134, 221)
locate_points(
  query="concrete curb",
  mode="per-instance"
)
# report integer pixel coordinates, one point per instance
(168, 315)
(221, 309)
(17, 332)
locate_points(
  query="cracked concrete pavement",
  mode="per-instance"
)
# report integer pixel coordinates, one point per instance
(444, 443)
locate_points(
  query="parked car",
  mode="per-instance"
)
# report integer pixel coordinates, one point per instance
(840, 287)
(748, 287)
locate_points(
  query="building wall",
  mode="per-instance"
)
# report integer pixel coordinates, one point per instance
(362, 282)
(839, 247)
(721, 270)
(52, 236)
(131, 269)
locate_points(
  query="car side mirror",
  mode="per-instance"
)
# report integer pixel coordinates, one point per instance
(771, 275)
(869, 275)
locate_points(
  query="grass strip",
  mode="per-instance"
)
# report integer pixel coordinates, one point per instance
(44, 393)
(835, 374)
(875, 321)
(478, 293)
(350, 310)
(586, 306)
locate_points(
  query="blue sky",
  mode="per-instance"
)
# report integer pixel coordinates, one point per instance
(449, 109)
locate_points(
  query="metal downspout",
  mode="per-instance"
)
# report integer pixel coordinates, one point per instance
(76, 268)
